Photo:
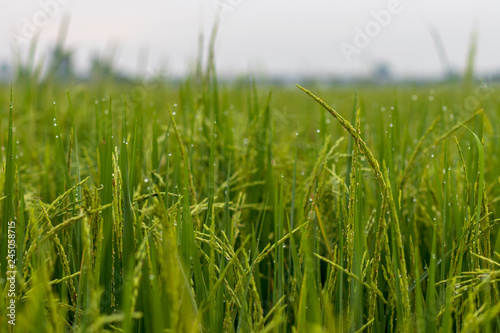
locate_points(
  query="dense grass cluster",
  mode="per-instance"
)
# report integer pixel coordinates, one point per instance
(198, 206)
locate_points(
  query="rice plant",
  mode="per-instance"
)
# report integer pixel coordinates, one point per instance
(204, 206)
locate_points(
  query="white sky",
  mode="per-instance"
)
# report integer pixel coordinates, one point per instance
(277, 37)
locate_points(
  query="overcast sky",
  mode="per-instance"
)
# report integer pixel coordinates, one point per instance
(292, 37)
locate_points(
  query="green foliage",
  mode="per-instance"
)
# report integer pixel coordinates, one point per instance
(212, 215)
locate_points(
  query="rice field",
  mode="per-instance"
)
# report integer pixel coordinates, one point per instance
(211, 206)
